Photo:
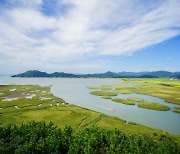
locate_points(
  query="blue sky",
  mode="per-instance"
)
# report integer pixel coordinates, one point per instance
(89, 36)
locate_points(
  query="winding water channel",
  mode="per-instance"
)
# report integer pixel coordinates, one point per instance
(74, 91)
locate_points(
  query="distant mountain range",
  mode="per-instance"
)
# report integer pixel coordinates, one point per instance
(155, 74)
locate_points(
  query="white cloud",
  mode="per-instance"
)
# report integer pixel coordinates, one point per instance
(88, 28)
(26, 20)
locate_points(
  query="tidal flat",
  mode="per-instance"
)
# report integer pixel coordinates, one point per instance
(61, 113)
(169, 90)
(74, 91)
(164, 88)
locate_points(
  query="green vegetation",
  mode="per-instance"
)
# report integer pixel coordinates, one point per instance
(39, 137)
(102, 87)
(93, 87)
(153, 106)
(123, 101)
(176, 111)
(106, 97)
(122, 91)
(135, 99)
(132, 123)
(167, 89)
(61, 113)
(177, 107)
(103, 93)
(56, 110)
(143, 104)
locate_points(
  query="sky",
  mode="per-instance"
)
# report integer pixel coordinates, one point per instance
(89, 36)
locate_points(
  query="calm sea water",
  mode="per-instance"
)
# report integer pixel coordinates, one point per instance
(74, 91)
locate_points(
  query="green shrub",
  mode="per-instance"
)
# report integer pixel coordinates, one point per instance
(39, 137)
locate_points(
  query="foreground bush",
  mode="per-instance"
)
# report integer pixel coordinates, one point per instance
(39, 137)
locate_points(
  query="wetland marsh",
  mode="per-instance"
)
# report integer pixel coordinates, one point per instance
(58, 111)
(74, 91)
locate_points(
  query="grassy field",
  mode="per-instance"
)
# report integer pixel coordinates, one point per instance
(103, 93)
(167, 89)
(123, 101)
(61, 113)
(153, 106)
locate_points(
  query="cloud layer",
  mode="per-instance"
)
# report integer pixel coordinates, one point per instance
(39, 32)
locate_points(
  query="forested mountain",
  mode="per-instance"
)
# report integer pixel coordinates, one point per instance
(155, 74)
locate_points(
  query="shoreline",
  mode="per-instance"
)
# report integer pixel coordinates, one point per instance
(100, 119)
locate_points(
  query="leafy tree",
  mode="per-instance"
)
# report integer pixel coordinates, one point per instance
(39, 137)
